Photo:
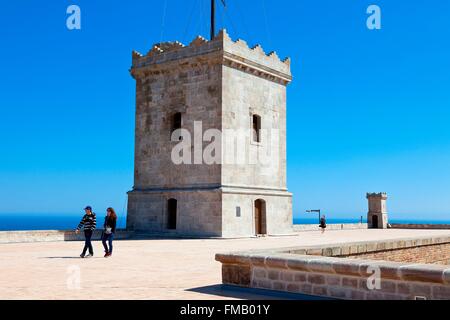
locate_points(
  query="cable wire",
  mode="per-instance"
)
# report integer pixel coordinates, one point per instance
(190, 20)
(163, 22)
(266, 22)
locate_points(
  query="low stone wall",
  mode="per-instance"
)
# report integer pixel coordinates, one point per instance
(434, 254)
(418, 226)
(337, 226)
(53, 235)
(367, 247)
(318, 270)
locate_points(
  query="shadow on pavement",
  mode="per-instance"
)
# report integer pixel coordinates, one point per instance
(72, 257)
(251, 293)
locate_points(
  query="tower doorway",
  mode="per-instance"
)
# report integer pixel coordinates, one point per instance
(172, 214)
(260, 217)
(374, 221)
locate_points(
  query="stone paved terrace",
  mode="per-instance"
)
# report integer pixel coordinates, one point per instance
(149, 269)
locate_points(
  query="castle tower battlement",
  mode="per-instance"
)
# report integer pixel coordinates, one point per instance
(232, 53)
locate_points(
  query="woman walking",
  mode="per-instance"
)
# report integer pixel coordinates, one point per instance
(323, 223)
(88, 222)
(109, 228)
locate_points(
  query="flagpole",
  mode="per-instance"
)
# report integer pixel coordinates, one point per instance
(213, 16)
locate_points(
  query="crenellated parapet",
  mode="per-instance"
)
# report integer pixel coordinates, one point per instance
(222, 49)
(382, 195)
(255, 55)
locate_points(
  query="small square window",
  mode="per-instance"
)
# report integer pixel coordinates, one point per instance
(238, 212)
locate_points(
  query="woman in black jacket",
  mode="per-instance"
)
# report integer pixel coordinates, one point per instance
(109, 228)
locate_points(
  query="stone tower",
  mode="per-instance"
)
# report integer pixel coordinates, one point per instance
(377, 216)
(221, 86)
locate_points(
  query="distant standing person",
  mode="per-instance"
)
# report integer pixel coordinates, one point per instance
(88, 222)
(323, 223)
(109, 228)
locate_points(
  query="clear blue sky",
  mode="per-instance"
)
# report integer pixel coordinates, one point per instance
(367, 110)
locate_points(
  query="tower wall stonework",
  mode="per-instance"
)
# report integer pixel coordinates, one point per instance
(191, 87)
(278, 209)
(243, 96)
(199, 212)
(221, 83)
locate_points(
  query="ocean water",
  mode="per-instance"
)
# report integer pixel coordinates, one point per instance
(10, 222)
(350, 220)
(329, 220)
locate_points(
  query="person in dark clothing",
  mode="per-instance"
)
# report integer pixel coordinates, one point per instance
(323, 223)
(109, 228)
(88, 223)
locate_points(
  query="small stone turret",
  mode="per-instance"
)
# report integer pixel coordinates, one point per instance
(377, 217)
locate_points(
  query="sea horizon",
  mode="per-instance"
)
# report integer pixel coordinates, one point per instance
(69, 221)
(50, 221)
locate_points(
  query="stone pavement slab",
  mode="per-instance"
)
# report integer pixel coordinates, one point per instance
(148, 269)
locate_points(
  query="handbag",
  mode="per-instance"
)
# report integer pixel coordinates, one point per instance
(108, 230)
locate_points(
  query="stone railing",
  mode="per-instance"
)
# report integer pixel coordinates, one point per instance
(318, 270)
(337, 226)
(54, 235)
